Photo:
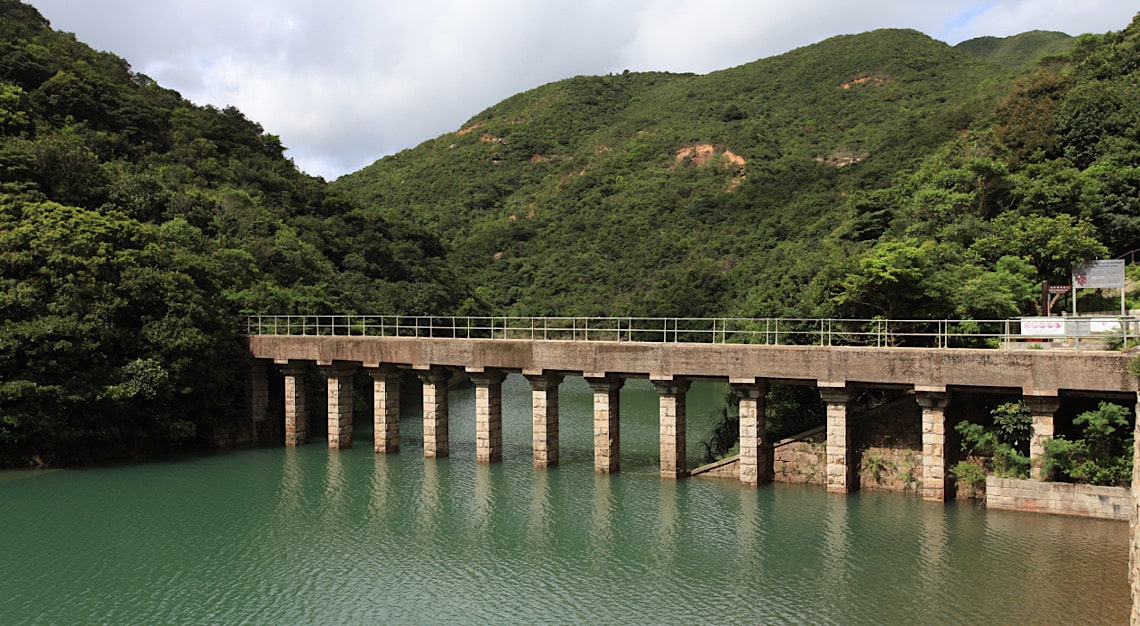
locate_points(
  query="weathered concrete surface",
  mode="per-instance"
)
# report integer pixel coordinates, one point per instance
(1034, 372)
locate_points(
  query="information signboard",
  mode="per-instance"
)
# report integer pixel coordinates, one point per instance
(1099, 275)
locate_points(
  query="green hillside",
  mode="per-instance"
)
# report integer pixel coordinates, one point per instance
(657, 194)
(876, 174)
(1019, 52)
(135, 228)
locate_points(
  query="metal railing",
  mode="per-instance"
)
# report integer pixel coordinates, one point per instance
(771, 331)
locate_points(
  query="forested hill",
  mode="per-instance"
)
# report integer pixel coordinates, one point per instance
(876, 174)
(1019, 52)
(135, 228)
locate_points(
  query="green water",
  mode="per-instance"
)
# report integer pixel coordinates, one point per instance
(285, 536)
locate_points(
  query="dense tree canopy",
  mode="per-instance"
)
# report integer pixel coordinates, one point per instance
(135, 227)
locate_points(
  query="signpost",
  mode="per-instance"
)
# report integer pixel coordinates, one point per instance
(1050, 294)
(1099, 275)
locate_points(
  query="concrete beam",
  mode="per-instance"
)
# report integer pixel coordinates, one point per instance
(1040, 370)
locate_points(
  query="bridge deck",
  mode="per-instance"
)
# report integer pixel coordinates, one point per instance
(1034, 372)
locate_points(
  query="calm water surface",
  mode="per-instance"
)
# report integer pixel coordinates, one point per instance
(307, 536)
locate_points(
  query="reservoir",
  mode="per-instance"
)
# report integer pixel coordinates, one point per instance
(308, 535)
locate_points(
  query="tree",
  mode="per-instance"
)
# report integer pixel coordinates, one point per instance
(1052, 245)
(891, 280)
(1008, 290)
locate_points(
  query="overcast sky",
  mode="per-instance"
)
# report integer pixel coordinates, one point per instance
(345, 82)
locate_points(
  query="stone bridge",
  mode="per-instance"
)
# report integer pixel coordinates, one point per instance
(1042, 377)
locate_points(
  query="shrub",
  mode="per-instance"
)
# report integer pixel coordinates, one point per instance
(1103, 456)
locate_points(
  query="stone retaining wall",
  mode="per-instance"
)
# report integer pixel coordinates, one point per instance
(801, 462)
(1060, 498)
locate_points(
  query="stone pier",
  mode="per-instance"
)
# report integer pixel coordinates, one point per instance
(841, 474)
(1043, 408)
(755, 449)
(339, 377)
(257, 397)
(488, 416)
(935, 474)
(435, 411)
(607, 424)
(671, 396)
(296, 409)
(385, 408)
(545, 417)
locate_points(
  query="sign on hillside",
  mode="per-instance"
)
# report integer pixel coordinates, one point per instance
(1099, 275)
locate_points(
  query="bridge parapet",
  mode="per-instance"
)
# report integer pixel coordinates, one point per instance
(971, 334)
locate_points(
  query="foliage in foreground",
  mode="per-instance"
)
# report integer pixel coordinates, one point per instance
(1103, 453)
(1001, 449)
(1101, 456)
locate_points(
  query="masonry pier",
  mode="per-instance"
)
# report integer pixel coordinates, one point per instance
(545, 417)
(339, 377)
(436, 443)
(296, 408)
(671, 400)
(488, 416)
(385, 407)
(607, 425)
(935, 474)
(841, 474)
(755, 449)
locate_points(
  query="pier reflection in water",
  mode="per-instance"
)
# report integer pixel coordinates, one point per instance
(282, 535)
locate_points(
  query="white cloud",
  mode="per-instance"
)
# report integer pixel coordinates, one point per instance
(344, 82)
